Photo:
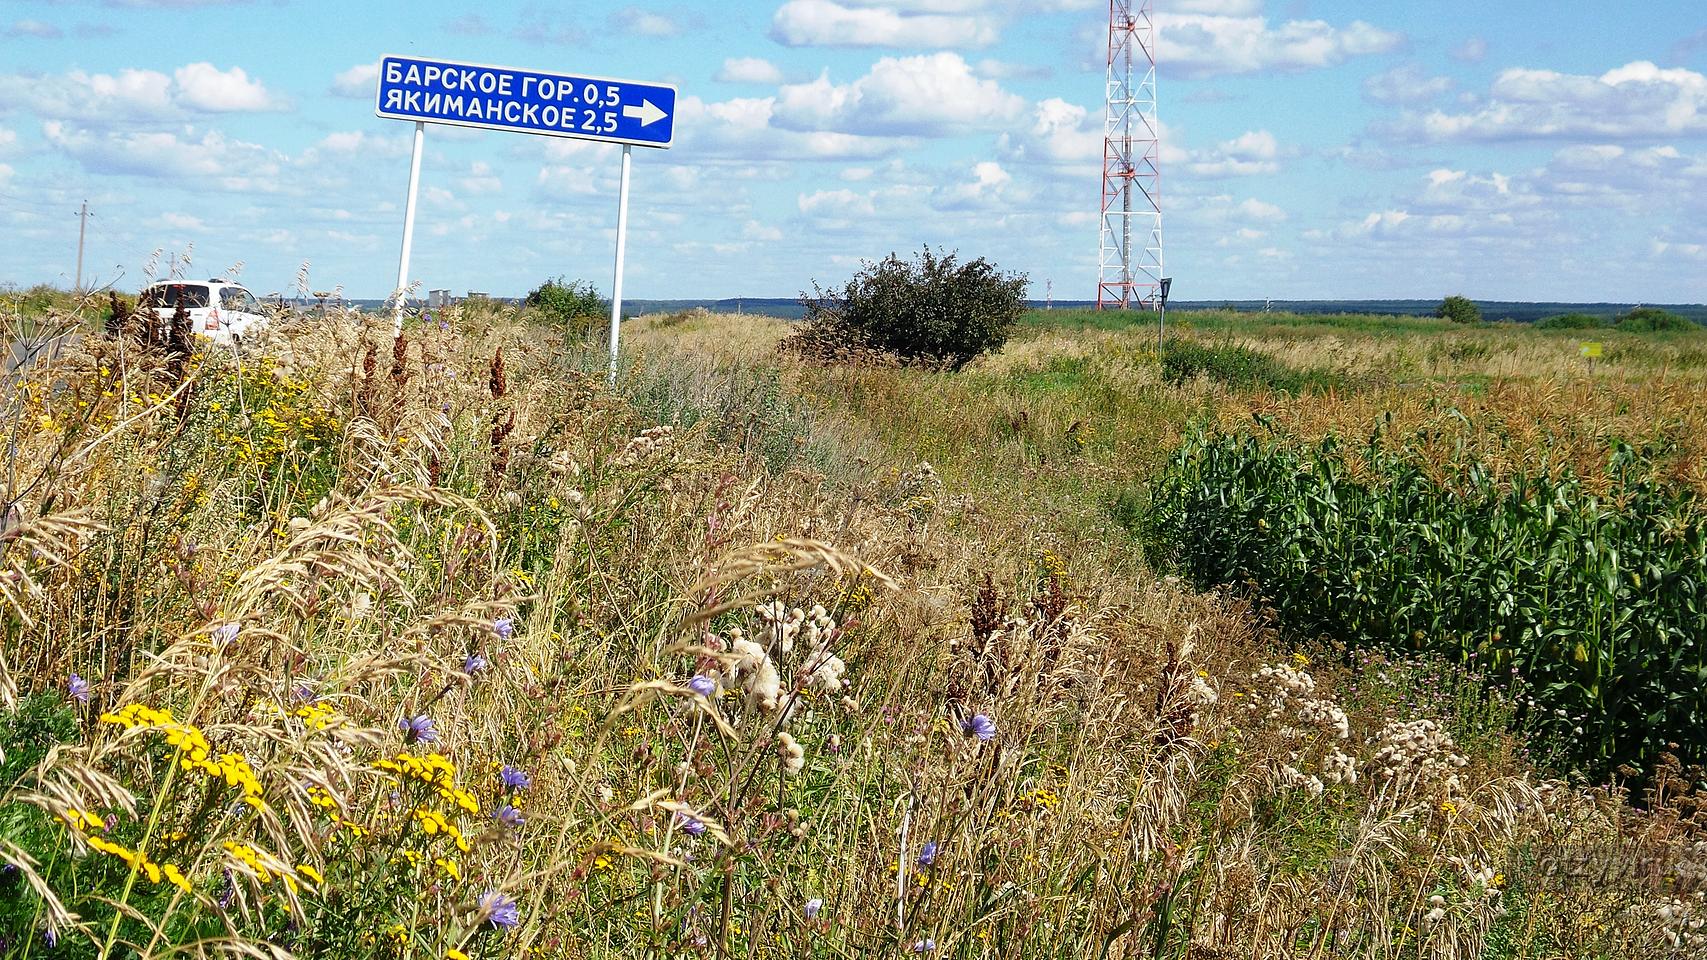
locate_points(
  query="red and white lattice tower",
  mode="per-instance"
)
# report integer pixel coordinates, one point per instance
(1131, 258)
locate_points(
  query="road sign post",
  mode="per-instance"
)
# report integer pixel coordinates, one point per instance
(525, 101)
(621, 251)
(402, 288)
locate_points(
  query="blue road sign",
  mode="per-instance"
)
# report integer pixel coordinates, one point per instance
(526, 101)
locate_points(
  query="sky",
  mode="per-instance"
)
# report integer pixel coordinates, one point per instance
(1519, 150)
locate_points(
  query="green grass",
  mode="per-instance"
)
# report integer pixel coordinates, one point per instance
(1230, 321)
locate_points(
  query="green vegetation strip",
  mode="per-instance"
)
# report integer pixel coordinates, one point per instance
(1599, 604)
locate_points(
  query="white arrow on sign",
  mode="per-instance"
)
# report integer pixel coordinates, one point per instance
(647, 112)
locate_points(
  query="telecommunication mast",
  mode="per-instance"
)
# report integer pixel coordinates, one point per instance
(1131, 217)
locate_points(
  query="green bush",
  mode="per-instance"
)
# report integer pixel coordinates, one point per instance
(1459, 310)
(1598, 603)
(1655, 320)
(1238, 367)
(1572, 321)
(932, 309)
(575, 304)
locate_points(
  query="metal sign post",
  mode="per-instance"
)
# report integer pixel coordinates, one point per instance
(478, 95)
(621, 250)
(402, 288)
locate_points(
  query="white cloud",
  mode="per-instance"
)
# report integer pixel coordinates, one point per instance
(203, 86)
(1473, 50)
(1255, 209)
(645, 23)
(1060, 133)
(1406, 83)
(827, 23)
(132, 95)
(990, 187)
(210, 161)
(837, 203)
(182, 221)
(1067, 134)
(1204, 45)
(35, 28)
(1249, 154)
(754, 230)
(346, 143)
(991, 69)
(1692, 252)
(744, 129)
(357, 82)
(565, 181)
(481, 179)
(749, 70)
(931, 95)
(1638, 100)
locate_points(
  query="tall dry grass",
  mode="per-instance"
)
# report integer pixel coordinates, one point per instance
(433, 647)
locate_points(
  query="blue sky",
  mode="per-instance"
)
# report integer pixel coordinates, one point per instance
(1515, 150)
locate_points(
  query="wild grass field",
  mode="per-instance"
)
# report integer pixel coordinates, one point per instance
(346, 646)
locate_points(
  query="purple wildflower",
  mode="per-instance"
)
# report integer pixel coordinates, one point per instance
(509, 816)
(813, 907)
(418, 729)
(703, 685)
(473, 664)
(504, 627)
(980, 726)
(304, 693)
(50, 936)
(224, 633)
(77, 689)
(498, 910)
(515, 778)
(927, 945)
(927, 854)
(690, 824)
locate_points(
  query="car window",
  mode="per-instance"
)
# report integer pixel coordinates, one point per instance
(239, 299)
(191, 295)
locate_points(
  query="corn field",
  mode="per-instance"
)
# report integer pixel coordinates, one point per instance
(1599, 602)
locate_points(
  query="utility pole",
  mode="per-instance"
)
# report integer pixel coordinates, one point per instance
(83, 216)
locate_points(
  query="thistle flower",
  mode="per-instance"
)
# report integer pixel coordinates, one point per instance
(418, 729)
(703, 685)
(927, 854)
(509, 816)
(515, 778)
(504, 627)
(813, 907)
(473, 664)
(791, 753)
(77, 689)
(690, 824)
(498, 910)
(980, 726)
(224, 633)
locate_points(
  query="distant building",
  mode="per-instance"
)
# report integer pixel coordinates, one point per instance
(439, 298)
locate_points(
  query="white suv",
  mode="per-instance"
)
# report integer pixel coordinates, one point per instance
(219, 309)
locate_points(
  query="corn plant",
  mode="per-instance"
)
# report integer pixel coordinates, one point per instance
(1598, 602)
